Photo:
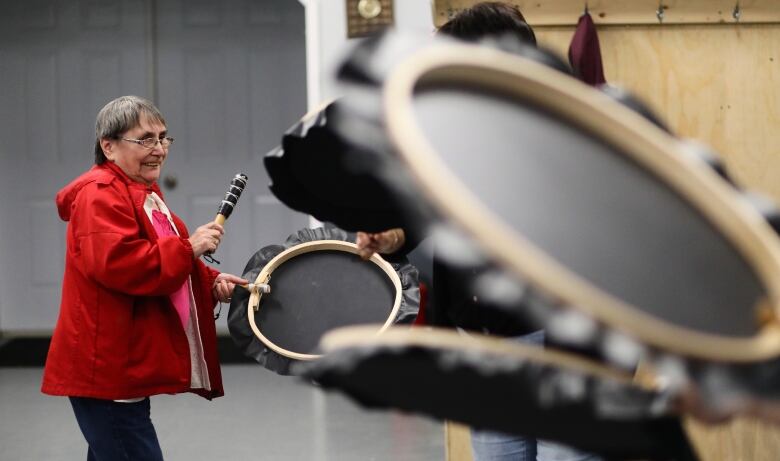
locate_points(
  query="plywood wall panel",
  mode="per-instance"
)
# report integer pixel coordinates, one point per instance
(718, 84)
(738, 440)
(566, 12)
(458, 442)
(742, 439)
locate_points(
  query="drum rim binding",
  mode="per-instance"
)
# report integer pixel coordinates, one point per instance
(307, 247)
(639, 140)
(443, 338)
(361, 337)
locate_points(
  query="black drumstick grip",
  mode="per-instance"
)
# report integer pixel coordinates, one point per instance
(237, 185)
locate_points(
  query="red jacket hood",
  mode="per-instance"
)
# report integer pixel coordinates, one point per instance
(101, 174)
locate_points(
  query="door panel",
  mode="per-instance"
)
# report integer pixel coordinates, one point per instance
(231, 80)
(59, 63)
(229, 77)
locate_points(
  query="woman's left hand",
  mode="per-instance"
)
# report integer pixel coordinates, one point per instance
(386, 242)
(224, 285)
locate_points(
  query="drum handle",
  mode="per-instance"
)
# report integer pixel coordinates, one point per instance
(646, 377)
(252, 287)
(257, 290)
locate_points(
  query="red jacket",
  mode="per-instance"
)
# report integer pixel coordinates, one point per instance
(118, 335)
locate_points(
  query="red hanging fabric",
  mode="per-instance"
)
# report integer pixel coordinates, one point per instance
(585, 53)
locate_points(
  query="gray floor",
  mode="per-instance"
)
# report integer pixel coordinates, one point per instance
(262, 417)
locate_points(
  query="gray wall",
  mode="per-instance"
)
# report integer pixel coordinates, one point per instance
(230, 77)
(326, 29)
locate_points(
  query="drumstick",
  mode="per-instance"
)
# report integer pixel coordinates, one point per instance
(237, 185)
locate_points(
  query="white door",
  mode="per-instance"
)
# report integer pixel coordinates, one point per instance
(61, 61)
(231, 79)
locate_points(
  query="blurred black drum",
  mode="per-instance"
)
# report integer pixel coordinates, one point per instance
(317, 283)
(587, 201)
(583, 206)
(492, 383)
(566, 190)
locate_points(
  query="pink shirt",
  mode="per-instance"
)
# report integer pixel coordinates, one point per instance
(181, 297)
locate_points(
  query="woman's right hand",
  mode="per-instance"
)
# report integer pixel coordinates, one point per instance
(206, 239)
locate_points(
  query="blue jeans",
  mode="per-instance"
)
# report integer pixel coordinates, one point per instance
(498, 446)
(117, 431)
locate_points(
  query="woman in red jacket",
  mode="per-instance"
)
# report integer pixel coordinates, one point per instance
(136, 316)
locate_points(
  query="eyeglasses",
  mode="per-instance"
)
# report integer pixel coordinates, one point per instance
(151, 143)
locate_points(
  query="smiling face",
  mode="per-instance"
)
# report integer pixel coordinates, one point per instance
(139, 163)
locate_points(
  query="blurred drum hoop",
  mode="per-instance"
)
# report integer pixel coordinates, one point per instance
(319, 245)
(478, 347)
(649, 146)
(440, 338)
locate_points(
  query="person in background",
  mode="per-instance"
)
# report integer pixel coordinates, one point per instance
(472, 24)
(136, 316)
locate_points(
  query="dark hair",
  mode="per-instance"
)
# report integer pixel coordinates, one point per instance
(120, 115)
(489, 19)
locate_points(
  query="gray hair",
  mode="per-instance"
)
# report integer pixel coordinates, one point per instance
(120, 115)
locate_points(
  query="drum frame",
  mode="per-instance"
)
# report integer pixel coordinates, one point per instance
(318, 245)
(361, 337)
(437, 337)
(664, 156)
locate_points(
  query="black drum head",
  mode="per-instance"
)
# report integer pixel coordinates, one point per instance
(334, 288)
(316, 285)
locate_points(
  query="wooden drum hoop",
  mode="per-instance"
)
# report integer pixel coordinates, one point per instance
(650, 147)
(433, 337)
(319, 245)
